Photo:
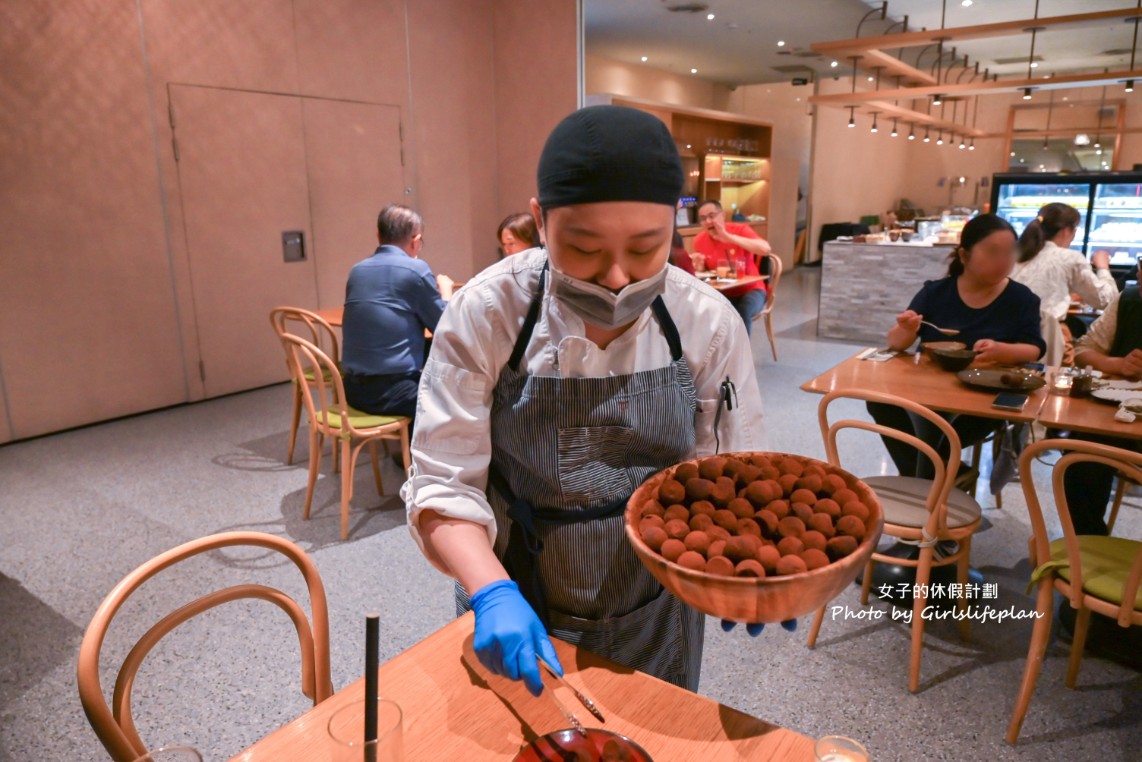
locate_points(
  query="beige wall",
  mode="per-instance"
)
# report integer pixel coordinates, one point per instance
(98, 310)
(604, 75)
(786, 108)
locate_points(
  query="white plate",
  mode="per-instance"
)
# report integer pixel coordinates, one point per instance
(1116, 396)
(1123, 385)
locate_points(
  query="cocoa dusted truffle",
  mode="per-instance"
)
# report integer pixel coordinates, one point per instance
(717, 548)
(702, 506)
(677, 529)
(779, 508)
(739, 549)
(672, 549)
(671, 491)
(839, 547)
(686, 471)
(697, 541)
(789, 546)
(749, 568)
(676, 512)
(652, 508)
(811, 482)
(761, 493)
(814, 558)
(698, 488)
(822, 524)
(790, 466)
(814, 539)
(768, 556)
(701, 522)
(828, 506)
(801, 511)
(790, 526)
(741, 508)
(788, 483)
(802, 495)
(833, 483)
(791, 565)
(652, 521)
(711, 468)
(843, 496)
(856, 508)
(654, 537)
(719, 533)
(767, 520)
(692, 560)
(852, 526)
(723, 491)
(720, 565)
(749, 526)
(726, 520)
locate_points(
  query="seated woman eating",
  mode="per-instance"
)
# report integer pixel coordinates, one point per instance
(995, 316)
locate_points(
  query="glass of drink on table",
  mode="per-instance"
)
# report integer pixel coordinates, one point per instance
(840, 749)
(723, 268)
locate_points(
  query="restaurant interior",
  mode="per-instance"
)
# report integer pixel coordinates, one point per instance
(173, 172)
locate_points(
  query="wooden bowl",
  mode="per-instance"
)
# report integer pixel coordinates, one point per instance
(953, 360)
(928, 347)
(748, 599)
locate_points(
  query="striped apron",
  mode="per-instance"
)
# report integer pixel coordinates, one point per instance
(567, 454)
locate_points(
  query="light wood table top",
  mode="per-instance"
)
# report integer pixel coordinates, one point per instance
(726, 286)
(335, 316)
(455, 709)
(924, 383)
(1091, 416)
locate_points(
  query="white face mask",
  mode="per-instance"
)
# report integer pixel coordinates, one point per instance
(602, 307)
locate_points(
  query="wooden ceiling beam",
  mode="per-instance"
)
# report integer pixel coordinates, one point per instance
(839, 49)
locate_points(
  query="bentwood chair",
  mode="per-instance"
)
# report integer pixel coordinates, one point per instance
(1094, 573)
(310, 326)
(115, 725)
(770, 296)
(923, 512)
(329, 415)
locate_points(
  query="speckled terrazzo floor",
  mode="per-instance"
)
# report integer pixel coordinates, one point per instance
(80, 509)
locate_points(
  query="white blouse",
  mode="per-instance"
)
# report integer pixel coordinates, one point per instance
(451, 446)
(1057, 272)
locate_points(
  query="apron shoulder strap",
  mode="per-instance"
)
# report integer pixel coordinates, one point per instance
(529, 322)
(668, 327)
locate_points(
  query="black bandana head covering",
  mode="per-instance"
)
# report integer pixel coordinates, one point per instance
(609, 153)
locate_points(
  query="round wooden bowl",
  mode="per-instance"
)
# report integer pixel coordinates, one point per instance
(749, 599)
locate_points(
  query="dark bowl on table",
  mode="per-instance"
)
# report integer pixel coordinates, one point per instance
(953, 360)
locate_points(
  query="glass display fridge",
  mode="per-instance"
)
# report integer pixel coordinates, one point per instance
(1110, 204)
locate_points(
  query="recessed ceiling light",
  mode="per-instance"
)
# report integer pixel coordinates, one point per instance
(834, 64)
(1034, 64)
(781, 43)
(644, 59)
(693, 71)
(709, 17)
(870, 79)
(966, 3)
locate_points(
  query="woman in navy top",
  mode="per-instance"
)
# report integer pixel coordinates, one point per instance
(996, 316)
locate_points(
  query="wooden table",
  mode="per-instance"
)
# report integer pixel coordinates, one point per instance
(455, 709)
(713, 283)
(925, 383)
(1087, 415)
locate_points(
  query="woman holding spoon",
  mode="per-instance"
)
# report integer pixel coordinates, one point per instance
(995, 316)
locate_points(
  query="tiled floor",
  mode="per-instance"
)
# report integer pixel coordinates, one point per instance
(81, 509)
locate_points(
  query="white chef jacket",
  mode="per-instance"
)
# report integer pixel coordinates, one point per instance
(452, 447)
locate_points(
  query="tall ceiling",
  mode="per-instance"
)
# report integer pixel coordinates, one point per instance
(740, 44)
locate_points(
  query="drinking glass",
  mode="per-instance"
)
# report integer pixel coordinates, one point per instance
(840, 749)
(723, 268)
(347, 733)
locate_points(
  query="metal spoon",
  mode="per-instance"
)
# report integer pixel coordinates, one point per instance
(945, 331)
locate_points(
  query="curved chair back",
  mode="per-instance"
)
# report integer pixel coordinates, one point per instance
(775, 268)
(323, 389)
(1128, 464)
(295, 321)
(945, 472)
(114, 724)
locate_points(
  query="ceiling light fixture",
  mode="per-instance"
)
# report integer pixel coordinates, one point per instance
(1026, 93)
(971, 146)
(834, 65)
(940, 139)
(963, 145)
(894, 133)
(927, 136)
(644, 59)
(1129, 85)
(1034, 64)
(852, 121)
(693, 71)
(912, 133)
(709, 17)
(874, 129)
(937, 99)
(966, 3)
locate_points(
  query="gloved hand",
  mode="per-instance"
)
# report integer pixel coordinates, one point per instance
(509, 634)
(755, 629)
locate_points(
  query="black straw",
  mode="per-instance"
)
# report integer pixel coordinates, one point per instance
(372, 646)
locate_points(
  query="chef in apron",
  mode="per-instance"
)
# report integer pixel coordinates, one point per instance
(559, 380)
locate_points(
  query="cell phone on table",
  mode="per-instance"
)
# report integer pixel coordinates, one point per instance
(1010, 401)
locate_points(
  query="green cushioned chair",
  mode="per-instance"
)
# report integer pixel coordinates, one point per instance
(323, 392)
(318, 331)
(1096, 574)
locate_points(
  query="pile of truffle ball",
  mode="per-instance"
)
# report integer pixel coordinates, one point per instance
(770, 515)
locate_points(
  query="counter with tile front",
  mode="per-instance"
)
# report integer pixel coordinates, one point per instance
(865, 285)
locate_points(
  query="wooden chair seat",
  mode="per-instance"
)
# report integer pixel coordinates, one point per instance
(904, 499)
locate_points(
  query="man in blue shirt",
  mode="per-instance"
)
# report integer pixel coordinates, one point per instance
(390, 299)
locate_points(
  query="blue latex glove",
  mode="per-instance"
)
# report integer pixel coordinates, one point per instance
(509, 635)
(755, 629)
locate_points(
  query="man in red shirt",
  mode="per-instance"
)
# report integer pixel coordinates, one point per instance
(723, 240)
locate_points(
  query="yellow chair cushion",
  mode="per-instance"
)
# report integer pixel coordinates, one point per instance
(359, 420)
(1106, 564)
